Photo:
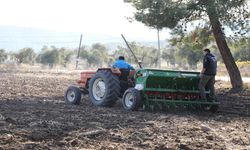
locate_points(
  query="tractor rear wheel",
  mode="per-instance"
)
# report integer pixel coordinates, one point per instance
(104, 88)
(73, 95)
(132, 99)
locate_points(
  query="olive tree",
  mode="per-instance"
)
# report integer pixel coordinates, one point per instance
(3, 55)
(217, 13)
(26, 55)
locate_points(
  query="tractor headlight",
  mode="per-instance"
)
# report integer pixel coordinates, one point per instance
(139, 87)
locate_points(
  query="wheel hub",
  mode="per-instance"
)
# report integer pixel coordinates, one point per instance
(129, 99)
(99, 89)
(71, 95)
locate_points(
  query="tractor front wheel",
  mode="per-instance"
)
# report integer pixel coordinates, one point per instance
(73, 95)
(132, 99)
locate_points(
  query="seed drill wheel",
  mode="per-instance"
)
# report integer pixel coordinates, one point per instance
(214, 108)
(73, 95)
(211, 108)
(104, 88)
(132, 99)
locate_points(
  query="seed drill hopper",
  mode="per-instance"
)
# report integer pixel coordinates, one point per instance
(166, 88)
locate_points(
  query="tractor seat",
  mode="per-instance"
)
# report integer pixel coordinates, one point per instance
(124, 80)
(124, 74)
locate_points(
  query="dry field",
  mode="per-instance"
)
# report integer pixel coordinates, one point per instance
(33, 115)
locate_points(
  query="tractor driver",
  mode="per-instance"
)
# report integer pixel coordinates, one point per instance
(122, 64)
(124, 68)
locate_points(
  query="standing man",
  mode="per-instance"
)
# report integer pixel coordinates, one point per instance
(207, 75)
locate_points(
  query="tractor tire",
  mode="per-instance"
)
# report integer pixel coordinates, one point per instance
(73, 95)
(104, 88)
(132, 99)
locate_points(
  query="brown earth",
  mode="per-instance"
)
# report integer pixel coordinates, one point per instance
(33, 115)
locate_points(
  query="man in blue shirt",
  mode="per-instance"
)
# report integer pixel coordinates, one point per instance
(122, 64)
(124, 68)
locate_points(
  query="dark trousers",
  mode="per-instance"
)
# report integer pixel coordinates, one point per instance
(207, 82)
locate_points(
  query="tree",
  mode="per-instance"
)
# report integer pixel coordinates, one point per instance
(96, 55)
(53, 55)
(26, 56)
(3, 55)
(241, 49)
(49, 56)
(100, 52)
(64, 56)
(176, 13)
(169, 56)
(189, 47)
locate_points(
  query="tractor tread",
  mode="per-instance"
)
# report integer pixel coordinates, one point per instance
(112, 88)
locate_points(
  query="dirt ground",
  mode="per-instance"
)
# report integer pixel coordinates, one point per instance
(33, 115)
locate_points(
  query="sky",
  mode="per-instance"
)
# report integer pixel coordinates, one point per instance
(107, 17)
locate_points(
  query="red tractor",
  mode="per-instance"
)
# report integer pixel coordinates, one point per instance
(104, 87)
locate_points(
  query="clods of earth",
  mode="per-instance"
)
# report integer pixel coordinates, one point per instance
(33, 115)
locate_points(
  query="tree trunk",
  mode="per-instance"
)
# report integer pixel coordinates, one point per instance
(225, 52)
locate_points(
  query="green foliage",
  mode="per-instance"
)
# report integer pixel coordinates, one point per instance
(169, 55)
(184, 51)
(189, 48)
(158, 13)
(96, 55)
(214, 15)
(99, 53)
(242, 55)
(241, 49)
(26, 56)
(3, 55)
(53, 55)
(176, 13)
(84, 53)
(49, 56)
(65, 56)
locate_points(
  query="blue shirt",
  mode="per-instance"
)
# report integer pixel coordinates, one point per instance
(121, 64)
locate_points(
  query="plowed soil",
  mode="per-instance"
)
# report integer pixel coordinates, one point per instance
(33, 115)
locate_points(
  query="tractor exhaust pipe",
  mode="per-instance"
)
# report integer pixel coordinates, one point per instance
(139, 63)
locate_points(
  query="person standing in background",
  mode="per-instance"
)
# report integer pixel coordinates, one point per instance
(207, 75)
